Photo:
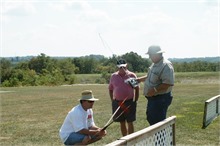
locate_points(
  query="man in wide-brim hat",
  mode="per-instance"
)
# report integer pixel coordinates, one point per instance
(79, 126)
(158, 84)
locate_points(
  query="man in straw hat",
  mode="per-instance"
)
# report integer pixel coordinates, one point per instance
(158, 85)
(78, 127)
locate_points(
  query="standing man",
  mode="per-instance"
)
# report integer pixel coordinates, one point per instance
(158, 85)
(78, 127)
(119, 90)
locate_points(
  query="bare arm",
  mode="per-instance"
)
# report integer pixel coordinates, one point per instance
(136, 93)
(93, 131)
(163, 87)
(160, 88)
(111, 94)
(141, 79)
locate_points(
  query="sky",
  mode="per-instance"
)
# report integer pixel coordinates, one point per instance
(73, 28)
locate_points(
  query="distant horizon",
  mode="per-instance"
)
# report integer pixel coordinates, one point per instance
(105, 56)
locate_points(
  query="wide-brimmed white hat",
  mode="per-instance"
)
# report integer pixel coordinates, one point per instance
(154, 50)
(87, 95)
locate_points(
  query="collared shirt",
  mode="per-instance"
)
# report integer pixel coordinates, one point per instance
(158, 73)
(121, 90)
(76, 120)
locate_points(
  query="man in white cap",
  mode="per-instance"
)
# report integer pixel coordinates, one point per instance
(78, 127)
(158, 85)
(119, 91)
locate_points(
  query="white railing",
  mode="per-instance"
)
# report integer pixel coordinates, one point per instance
(211, 110)
(162, 133)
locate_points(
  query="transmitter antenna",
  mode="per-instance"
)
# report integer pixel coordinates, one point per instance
(131, 81)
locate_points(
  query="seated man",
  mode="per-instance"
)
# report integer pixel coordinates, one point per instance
(78, 126)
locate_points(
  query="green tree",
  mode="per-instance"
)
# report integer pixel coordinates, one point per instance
(22, 65)
(86, 65)
(66, 66)
(135, 62)
(41, 62)
(51, 78)
(6, 68)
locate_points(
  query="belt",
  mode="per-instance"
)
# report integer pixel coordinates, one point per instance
(159, 96)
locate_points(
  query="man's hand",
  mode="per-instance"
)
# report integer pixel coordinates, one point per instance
(151, 92)
(132, 82)
(102, 133)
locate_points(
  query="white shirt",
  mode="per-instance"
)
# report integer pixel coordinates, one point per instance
(76, 120)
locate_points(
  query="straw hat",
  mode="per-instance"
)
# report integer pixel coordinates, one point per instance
(87, 95)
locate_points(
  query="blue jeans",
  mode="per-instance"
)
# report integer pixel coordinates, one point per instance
(157, 107)
(74, 138)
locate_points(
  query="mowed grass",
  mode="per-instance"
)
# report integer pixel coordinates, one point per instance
(33, 115)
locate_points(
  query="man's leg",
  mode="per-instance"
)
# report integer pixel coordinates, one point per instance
(130, 127)
(123, 128)
(85, 141)
(157, 109)
(75, 138)
(154, 112)
(93, 140)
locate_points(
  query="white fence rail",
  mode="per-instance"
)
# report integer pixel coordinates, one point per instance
(162, 133)
(211, 110)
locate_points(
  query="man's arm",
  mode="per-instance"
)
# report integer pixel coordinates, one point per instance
(94, 130)
(141, 79)
(89, 131)
(111, 94)
(160, 88)
(136, 93)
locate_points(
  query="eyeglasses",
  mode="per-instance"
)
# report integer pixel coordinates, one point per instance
(90, 101)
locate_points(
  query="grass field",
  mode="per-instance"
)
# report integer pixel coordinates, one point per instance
(33, 115)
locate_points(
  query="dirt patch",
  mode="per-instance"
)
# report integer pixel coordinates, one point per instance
(4, 138)
(199, 81)
(6, 91)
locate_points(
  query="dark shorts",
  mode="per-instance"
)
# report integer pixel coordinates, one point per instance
(129, 115)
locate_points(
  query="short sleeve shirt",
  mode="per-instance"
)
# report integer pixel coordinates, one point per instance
(161, 72)
(121, 90)
(76, 120)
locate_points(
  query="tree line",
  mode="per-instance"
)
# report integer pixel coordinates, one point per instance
(45, 70)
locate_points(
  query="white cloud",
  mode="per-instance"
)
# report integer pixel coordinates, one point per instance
(16, 8)
(74, 5)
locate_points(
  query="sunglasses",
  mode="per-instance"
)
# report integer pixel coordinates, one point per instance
(122, 67)
(90, 101)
